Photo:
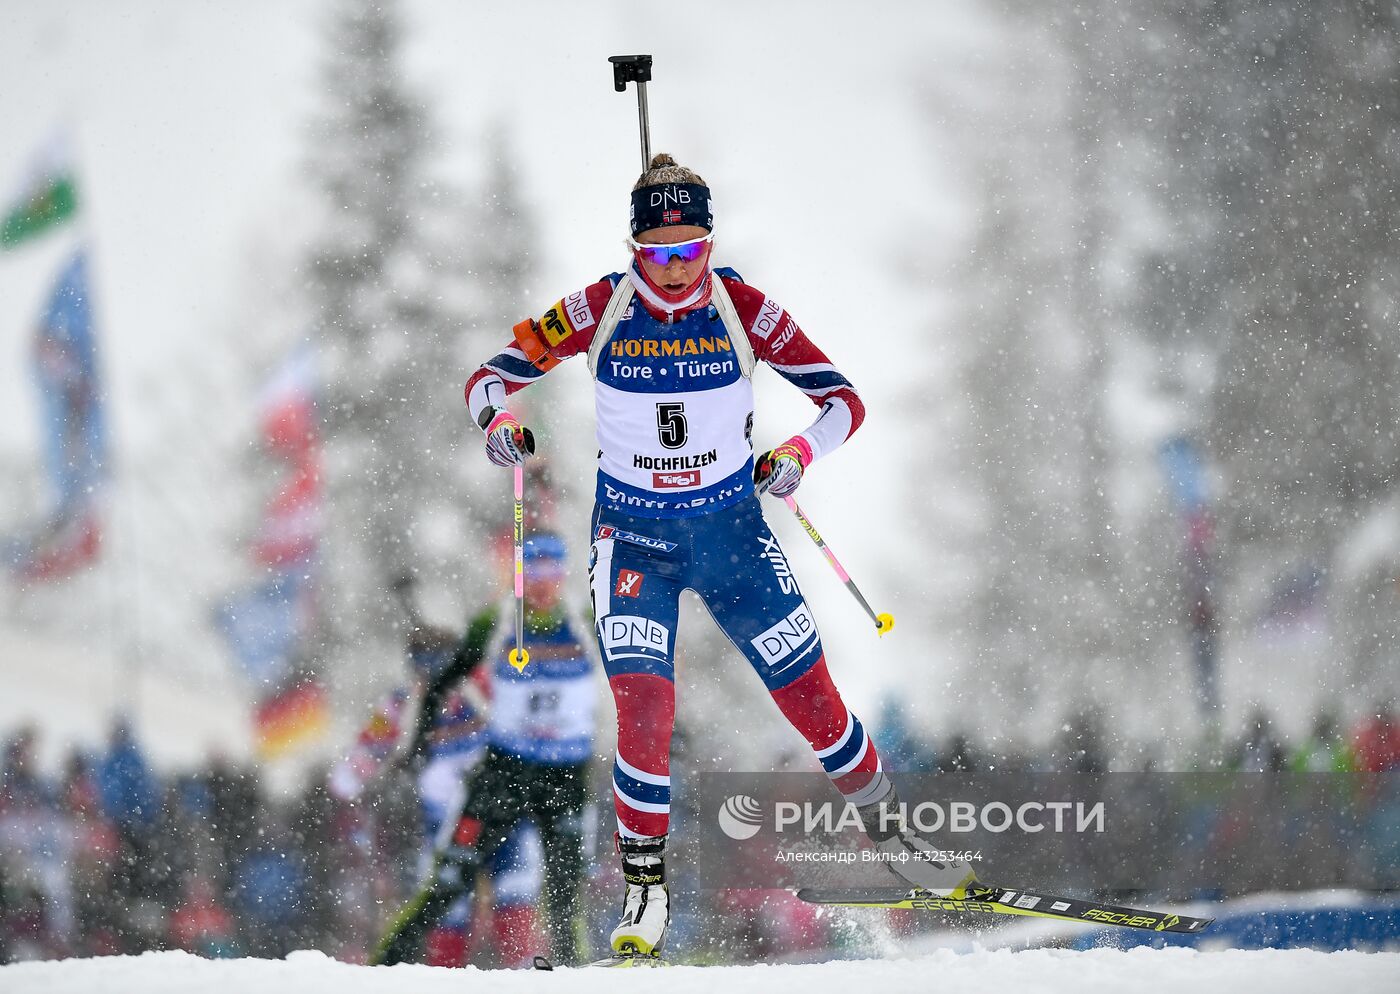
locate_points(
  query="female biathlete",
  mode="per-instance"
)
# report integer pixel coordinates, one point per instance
(671, 344)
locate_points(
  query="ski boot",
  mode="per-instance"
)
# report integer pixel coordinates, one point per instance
(911, 858)
(646, 908)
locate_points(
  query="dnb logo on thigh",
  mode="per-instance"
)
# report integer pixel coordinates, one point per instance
(789, 639)
(626, 636)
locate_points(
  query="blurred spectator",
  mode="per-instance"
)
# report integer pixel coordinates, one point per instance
(201, 923)
(234, 809)
(1257, 750)
(129, 795)
(1378, 741)
(95, 853)
(220, 869)
(7, 900)
(959, 756)
(19, 784)
(34, 846)
(131, 799)
(1324, 751)
(313, 821)
(25, 932)
(774, 924)
(269, 888)
(1081, 745)
(900, 748)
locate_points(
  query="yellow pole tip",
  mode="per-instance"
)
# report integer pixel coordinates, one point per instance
(884, 622)
(519, 658)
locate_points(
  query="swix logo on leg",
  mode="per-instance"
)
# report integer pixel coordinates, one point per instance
(674, 481)
(774, 554)
(629, 583)
(789, 638)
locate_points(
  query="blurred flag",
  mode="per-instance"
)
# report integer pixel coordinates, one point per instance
(65, 365)
(291, 527)
(373, 747)
(60, 549)
(75, 442)
(287, 407)
(267, 627)
(293, 716)
(1181, 463)
(48, 197)
(292, 522)
(263, 626)
(1184, 468)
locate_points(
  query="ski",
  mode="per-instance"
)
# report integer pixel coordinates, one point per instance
(1002, 901)
(623, 961)
(616, 960)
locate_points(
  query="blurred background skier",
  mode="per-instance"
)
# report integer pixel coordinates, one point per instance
(453, 745)
(533, 774)
(671, 344)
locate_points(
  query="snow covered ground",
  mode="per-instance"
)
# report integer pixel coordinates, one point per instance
(1141, 971)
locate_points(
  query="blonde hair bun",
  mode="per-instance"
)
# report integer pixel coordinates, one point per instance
(665, 169)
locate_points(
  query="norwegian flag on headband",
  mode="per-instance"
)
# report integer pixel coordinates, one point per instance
(671, 217)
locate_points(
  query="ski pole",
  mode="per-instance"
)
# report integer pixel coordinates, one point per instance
(519, 658)
(635, 69)
(883, 621)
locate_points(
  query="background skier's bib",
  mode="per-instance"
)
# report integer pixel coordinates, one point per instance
(546, 713)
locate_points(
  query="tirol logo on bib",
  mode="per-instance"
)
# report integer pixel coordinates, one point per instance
(675, 481)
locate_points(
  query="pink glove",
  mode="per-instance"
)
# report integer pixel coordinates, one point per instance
(779, 471)
(507, 441)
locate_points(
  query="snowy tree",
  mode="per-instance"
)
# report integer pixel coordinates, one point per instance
(1028, 444)
(411, 283)
(1277, 133)
(1069, 555)
(1285, 142)
(391, 394)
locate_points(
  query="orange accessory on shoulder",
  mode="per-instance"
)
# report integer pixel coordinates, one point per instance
(531, 342)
